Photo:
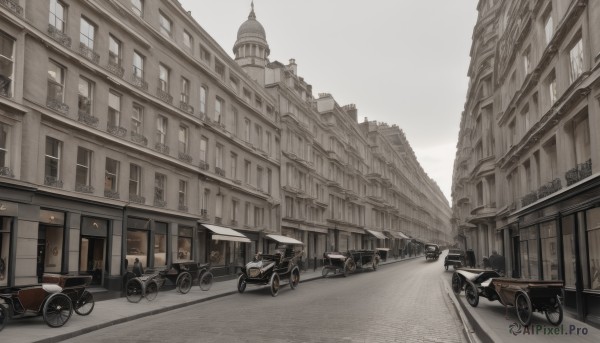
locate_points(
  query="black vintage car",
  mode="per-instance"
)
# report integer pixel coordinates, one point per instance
(455, 258)
(432, 251)
(270, 269)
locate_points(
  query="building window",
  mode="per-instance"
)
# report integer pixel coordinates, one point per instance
(219, 106)
(258, 216)
(137, 119)
(163, 78)
(138, 65)
(269, 180)
(188, 41)
(247, 171)
(160, 181)
(247, 95)
(219, 206)
(184, 243)
(205, 201)
(259, 178)
(247, 214)
(83, 168)
(85, 96)
(114, 51)
(258, 136)
(137, 6)
(182, 195)
(268, 143)
(548, 26)
(527, 60)
(135, 179)
(183, 139)
(233, 165)
(203, 148)
(551, 83)
(185, 90)
(87, 33)
(219, 156)
(220, 69)
(258, 101)
(165, 24)
(4, 130)
(289, 207)
(247, 130)
(52, 159)
(580, 138)
(56, 82)
(114, 109)
(203, 92)
(234, 209)
(111, 178)
(57, 15)
(233, 81)
(234, 118)
(205, 54)
(6, 64)
(576, 61)
(161, 129)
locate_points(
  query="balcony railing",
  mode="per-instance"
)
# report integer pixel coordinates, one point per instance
(116, 130)
(185, 157)
(529, 198)
(115, 68)
(220, 171)
(84, 188)
(161, 148)
(139, 82)
(12, 6)
(59, 36)
(6, 171)
(160, 203)
(164, 96)
(53, 181)
(582, 171)
(203, 165)
(87, 119)
(184, 106)
(182, 207)
(139, 139)
(549, 188)
(57, 105)
(111, 194)
(5, 87)
(88, 53)
(137, 198)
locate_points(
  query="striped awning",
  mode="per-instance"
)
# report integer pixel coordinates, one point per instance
(221, 233)
(376, 234)
(284, 239)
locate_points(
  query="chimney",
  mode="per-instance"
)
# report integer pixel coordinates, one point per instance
(292, 66)
(351, 111)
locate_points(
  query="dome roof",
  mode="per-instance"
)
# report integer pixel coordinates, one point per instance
(251, 27)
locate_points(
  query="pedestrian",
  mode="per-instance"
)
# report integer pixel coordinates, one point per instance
(497, 262)
(138, 269)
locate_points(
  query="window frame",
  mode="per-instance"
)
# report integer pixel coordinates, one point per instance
(136, 170)
(111, 174)
(114, 115)
(84, 37)
(139, 11)
(138, 71)
(84, 166)
(63, 20)
(164, 74)
(162, 123)
(137, 119)
(53, 158)
(162, 20)
(114, 58)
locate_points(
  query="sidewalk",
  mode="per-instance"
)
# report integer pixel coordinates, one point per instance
(116, 311)
(490, 321)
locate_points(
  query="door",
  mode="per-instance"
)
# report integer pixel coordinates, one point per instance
(93, 258)
(516, 257)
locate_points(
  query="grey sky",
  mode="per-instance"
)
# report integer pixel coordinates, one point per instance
(401, 62)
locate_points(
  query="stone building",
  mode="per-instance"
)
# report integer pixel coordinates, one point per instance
(526, 178)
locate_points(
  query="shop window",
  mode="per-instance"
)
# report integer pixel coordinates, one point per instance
(593, 241)
(160, 244)
(184, 243)
(137, 247)
(529, 253)
(217, 253)
(549, 250)
(5, 225)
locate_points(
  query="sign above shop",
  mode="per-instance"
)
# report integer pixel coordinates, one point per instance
(94, 227)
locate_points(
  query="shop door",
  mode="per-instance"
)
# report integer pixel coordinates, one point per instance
(41, 257)
(92, 259)
(49, 250)
(516, 257)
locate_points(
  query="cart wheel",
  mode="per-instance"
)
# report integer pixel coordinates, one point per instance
(85, 304)
(152, 290)
(456, 283)
(471, 294)
(184, 282)
(294, 278)
(274, 284)
(325, 271)
(242, 283)
(57, 310)
(3, 317)
(133, 290)
(554, 313)
(349, 267)
(206, 281)
(524, 309)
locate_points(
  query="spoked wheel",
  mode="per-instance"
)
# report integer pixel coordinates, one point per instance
(524, 309)
(294, 278)
(206, 281)
(152, 290)
(85, 304)
(242, 283)
(325, 271)
(554, 313)
(471, 294)
(349, 267)
(133, 291)
(274, 284)
(456, 283)
(3, 317)
(57, 310)
(184, 282)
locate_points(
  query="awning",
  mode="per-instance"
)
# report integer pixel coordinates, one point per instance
(284, 239)
(383, 249)
(226, 234)
(377, 234)
(399, 235)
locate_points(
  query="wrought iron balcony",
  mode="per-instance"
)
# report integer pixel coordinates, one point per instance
(182, 207)
(160, 203)
(549, 188)
(139, 82)
(203, 165)
(164, 96)
(84, 188)
(6, 171)
(53, 181)
(529, 198)
(139, 139)
(5, 88)
(115, 68)
(59, 36)
(57, 105)
(184, 106)
(116, 130)
(161, 148)
(87, 119)
(220, 171)
(185, 157)
(582, 171)
(111, 194)
(12, 6)
(137, 198)
(88, 53)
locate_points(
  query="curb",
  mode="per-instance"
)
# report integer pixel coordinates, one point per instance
(484, 333)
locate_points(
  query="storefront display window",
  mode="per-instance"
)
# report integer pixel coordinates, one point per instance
(529, 253)
(549, 250)
(5, 224)
(593, 239)
(184, 244)
(53, 249)
(568, 227)
(217, 253)
(160, 244)
(137, 247)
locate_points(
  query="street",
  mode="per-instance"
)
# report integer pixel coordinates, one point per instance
(401, 302)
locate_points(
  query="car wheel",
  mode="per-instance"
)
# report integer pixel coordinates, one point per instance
(325, 271)
(57, 310)
(471, 294)
(554, 313)
(133, 291)
(274, 284)
(3, 317)
(85, 304)
(151, 290)
(184, 282)
(456, 283)
(294, 278)
(206, 281)
(241, 283)
(523, 307)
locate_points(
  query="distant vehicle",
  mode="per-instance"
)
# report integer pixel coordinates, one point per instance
(349, 261)
(270, 269)
(432, 251)
(455, 258)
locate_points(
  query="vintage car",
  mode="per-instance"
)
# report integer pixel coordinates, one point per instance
(270, 269)
(432, 251)
(349, 261)
(455, 258)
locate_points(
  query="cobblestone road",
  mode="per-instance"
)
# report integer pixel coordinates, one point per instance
(401, 302)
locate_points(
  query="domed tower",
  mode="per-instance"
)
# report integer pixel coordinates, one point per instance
(251, 49)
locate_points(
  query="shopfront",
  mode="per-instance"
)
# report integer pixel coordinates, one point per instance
(228, 249)
(50, 243)
(6, 224)
(92, 248)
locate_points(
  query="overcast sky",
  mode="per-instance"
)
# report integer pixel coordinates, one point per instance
(401, 62)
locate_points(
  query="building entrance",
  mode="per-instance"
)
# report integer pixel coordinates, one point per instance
(49, 250)
(92, 257)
